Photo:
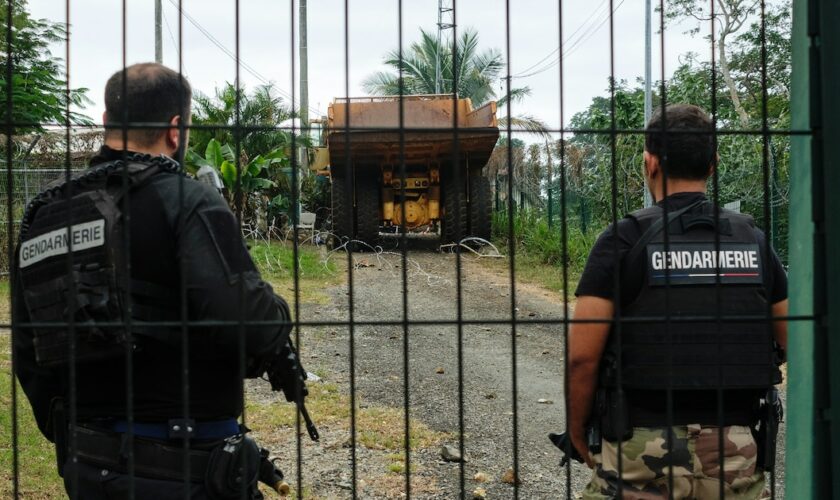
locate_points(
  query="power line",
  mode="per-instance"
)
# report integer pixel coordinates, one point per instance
(577, 43)
(569, 37)
(226, 51)
(171, 35)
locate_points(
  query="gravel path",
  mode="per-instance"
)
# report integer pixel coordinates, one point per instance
(434, 383)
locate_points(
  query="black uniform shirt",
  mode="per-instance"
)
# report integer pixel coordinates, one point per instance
(179, 228)
(599, 279)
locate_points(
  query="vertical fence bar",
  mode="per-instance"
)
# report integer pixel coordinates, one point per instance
(828, 148)
(806, 430)
(348, 215)
(564, 237)
(295, 219)
(459, 175)
(512, 253)
(10, 129)
(404, 260)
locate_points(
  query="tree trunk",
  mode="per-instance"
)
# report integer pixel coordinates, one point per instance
(730, 83)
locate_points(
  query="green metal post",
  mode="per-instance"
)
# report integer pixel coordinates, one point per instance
(800, 431)
(826, 145)
(814, 346)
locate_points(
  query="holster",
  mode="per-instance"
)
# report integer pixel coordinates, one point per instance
(233, 469)
(611, 405)
(770, 414)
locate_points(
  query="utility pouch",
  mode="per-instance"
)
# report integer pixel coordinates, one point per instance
(615, 419)
(232, 469)
(58, 423)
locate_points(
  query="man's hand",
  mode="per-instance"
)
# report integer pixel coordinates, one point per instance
(586, 345)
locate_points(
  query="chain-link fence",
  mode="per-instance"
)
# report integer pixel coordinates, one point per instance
(26, 182)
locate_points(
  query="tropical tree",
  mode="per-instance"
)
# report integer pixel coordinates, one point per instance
(39, 94)
(260, 113)
(465, 71)
(730, 17)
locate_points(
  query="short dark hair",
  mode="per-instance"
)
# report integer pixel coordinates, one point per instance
(153, 94)
(683, 137)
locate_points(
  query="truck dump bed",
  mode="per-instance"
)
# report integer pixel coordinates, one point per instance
(371, 127)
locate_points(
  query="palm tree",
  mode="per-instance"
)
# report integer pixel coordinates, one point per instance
(262, 108)
(473, 77)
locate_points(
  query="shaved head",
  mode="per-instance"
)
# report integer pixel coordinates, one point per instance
(147, 94)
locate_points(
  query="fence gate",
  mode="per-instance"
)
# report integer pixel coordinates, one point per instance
(448, 223)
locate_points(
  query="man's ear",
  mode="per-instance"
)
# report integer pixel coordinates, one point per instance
(651, 165)
(173, 133)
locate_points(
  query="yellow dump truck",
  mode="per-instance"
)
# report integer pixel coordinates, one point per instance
(441, 191)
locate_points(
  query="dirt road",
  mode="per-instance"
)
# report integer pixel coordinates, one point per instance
(487, 381)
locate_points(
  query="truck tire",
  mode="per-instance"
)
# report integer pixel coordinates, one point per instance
(367, 210)
(454, 209)
(480, 207)
(342, 210)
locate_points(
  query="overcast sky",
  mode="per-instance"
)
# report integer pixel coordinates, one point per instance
(265, 43)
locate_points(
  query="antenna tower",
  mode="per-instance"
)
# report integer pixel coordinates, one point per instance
(446, 18)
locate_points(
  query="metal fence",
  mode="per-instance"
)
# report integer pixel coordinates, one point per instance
(20, 184)
(416, 349)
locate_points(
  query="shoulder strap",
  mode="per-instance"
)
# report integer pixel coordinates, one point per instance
(652, 231)
(143, 166)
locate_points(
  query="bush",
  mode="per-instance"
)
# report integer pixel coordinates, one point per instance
(532, 236)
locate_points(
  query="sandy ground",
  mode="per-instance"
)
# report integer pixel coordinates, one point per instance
(486, 381)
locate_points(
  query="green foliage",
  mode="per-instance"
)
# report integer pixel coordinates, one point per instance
(39, 94)
(477, 72)
(532, 235)
(594, 163)
(260, 112)
(262, 188)
(36, 455)
(474, 77)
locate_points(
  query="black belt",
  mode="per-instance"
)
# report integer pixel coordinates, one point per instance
(152, 459)
(642, 417)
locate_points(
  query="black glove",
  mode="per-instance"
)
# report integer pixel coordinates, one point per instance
(286, 374)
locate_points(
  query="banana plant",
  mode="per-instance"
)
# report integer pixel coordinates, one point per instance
(255, 176)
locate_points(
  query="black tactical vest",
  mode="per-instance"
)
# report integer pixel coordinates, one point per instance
(693, 278)
(72, 264)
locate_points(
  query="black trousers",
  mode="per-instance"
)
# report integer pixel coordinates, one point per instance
(97, 483)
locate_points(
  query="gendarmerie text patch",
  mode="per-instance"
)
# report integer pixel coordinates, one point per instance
(59, 241)
(703, 263)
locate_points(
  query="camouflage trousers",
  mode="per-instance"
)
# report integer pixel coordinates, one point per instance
(693, 459)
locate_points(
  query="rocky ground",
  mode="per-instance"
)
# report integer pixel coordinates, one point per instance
(491, 422)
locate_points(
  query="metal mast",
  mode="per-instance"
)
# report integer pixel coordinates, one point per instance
(445, 22)
(158, 33)
(648, 97)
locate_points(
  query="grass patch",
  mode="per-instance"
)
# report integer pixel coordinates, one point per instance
(378, 428)
(539, 249)
(276, 263)
(532, 270)
(37, 473)
(5, 302)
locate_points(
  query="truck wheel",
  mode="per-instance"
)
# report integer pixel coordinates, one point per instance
(454, 209)
(367, 210)
(342, 209)
(480, 208)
